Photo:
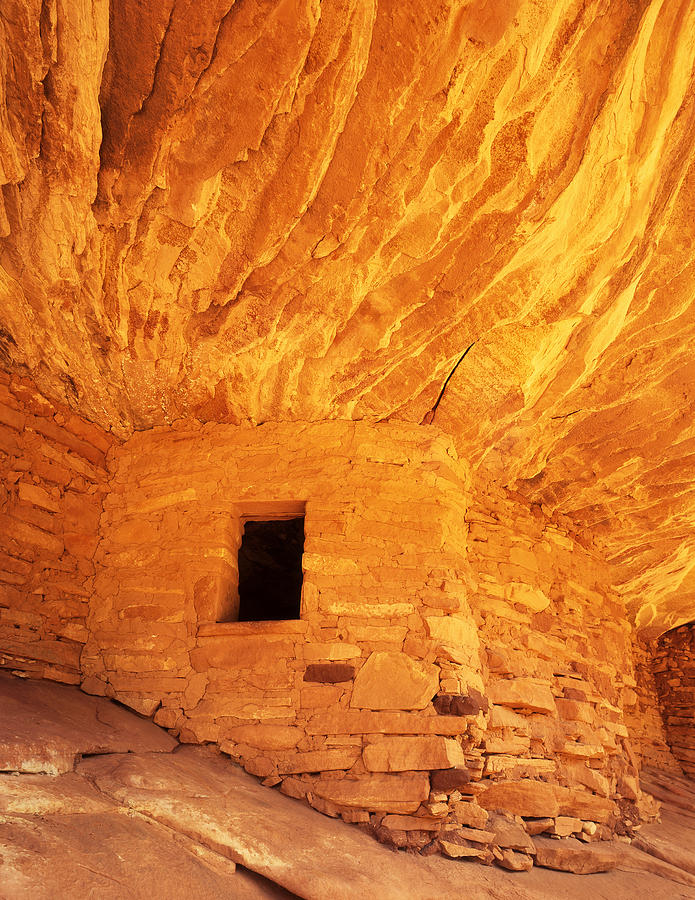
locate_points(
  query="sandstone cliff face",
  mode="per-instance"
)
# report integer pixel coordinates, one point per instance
(300, 210)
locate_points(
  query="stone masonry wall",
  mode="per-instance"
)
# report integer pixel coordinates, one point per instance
(645, 720)
(53, 480)
(337, 706)
(557, 663)
(460, 656)
(374, 705)
(674, 671)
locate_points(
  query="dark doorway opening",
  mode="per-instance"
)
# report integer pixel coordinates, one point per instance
(270, 570)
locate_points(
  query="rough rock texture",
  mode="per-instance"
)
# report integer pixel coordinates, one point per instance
(304, 210)
(558, 666)
(674, 672)
(46, 729)
(53, 482)
(645, 717)
(190, 823)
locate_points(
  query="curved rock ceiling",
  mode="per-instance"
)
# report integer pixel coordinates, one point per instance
(293, 209)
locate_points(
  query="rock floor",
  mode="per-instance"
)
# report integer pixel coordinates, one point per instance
(96, 802)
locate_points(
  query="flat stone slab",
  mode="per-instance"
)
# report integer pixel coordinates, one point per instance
(199, 793)
(46, 727)
(113, 856)
(571, 855)
(665, 842)
(38, 795)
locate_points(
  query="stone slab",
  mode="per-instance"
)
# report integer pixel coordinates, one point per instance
(47, 726)
(198, 793)
(571, 855)
(368, 722)
(390, 680)
(402, 754)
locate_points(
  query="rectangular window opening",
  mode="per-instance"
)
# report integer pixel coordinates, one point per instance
(270, 569)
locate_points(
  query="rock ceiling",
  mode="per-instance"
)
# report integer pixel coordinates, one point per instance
(288, 209)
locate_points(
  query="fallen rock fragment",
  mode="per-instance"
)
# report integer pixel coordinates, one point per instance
(509, 835)
(570, 855)
(46, 727)
(515, 862)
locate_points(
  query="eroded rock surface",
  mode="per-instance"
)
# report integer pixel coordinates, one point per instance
(190, 823)
(46, 728)
(303, 210)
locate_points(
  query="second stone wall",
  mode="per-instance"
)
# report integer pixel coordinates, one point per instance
(673, 665)
(52, 484)
(557, 661)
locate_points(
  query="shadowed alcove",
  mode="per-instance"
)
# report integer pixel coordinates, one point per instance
(270, 570)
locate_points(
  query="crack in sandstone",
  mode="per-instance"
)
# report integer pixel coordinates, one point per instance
(429, 418)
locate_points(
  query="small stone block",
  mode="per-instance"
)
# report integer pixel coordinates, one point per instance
(461, 704)
(329, 673)
(447, 780)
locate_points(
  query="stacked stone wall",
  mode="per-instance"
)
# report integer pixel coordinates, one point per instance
(460, 655)
(673, 666)
(340, 706)
(645, 720)
(53, 482)
(557, 662)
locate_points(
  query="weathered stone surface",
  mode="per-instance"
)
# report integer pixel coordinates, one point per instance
(460, 851)
(266, 737)
(538, 799)
(470, 813)
(401, 754)
(59, 859)
(523, 798)
(515, 862)
(509, 834)
(578, 804)
(538, 826)
(242, 651)
(461, 704)
(533, 598)
(316, 761)
(329, 673)
(46, 727)
(673, 665)
(451, 779)
(564, 826)
(397, 793)
(46, 795)
(571, 855)
(411, 823)
(394, 681)
(366, 722)
(454, 632)
(521, 693)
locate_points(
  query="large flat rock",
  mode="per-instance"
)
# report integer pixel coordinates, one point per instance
(47, 726)
(199, 793)
(113, 856)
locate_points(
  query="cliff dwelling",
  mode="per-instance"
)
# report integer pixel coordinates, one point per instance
(347, 438)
